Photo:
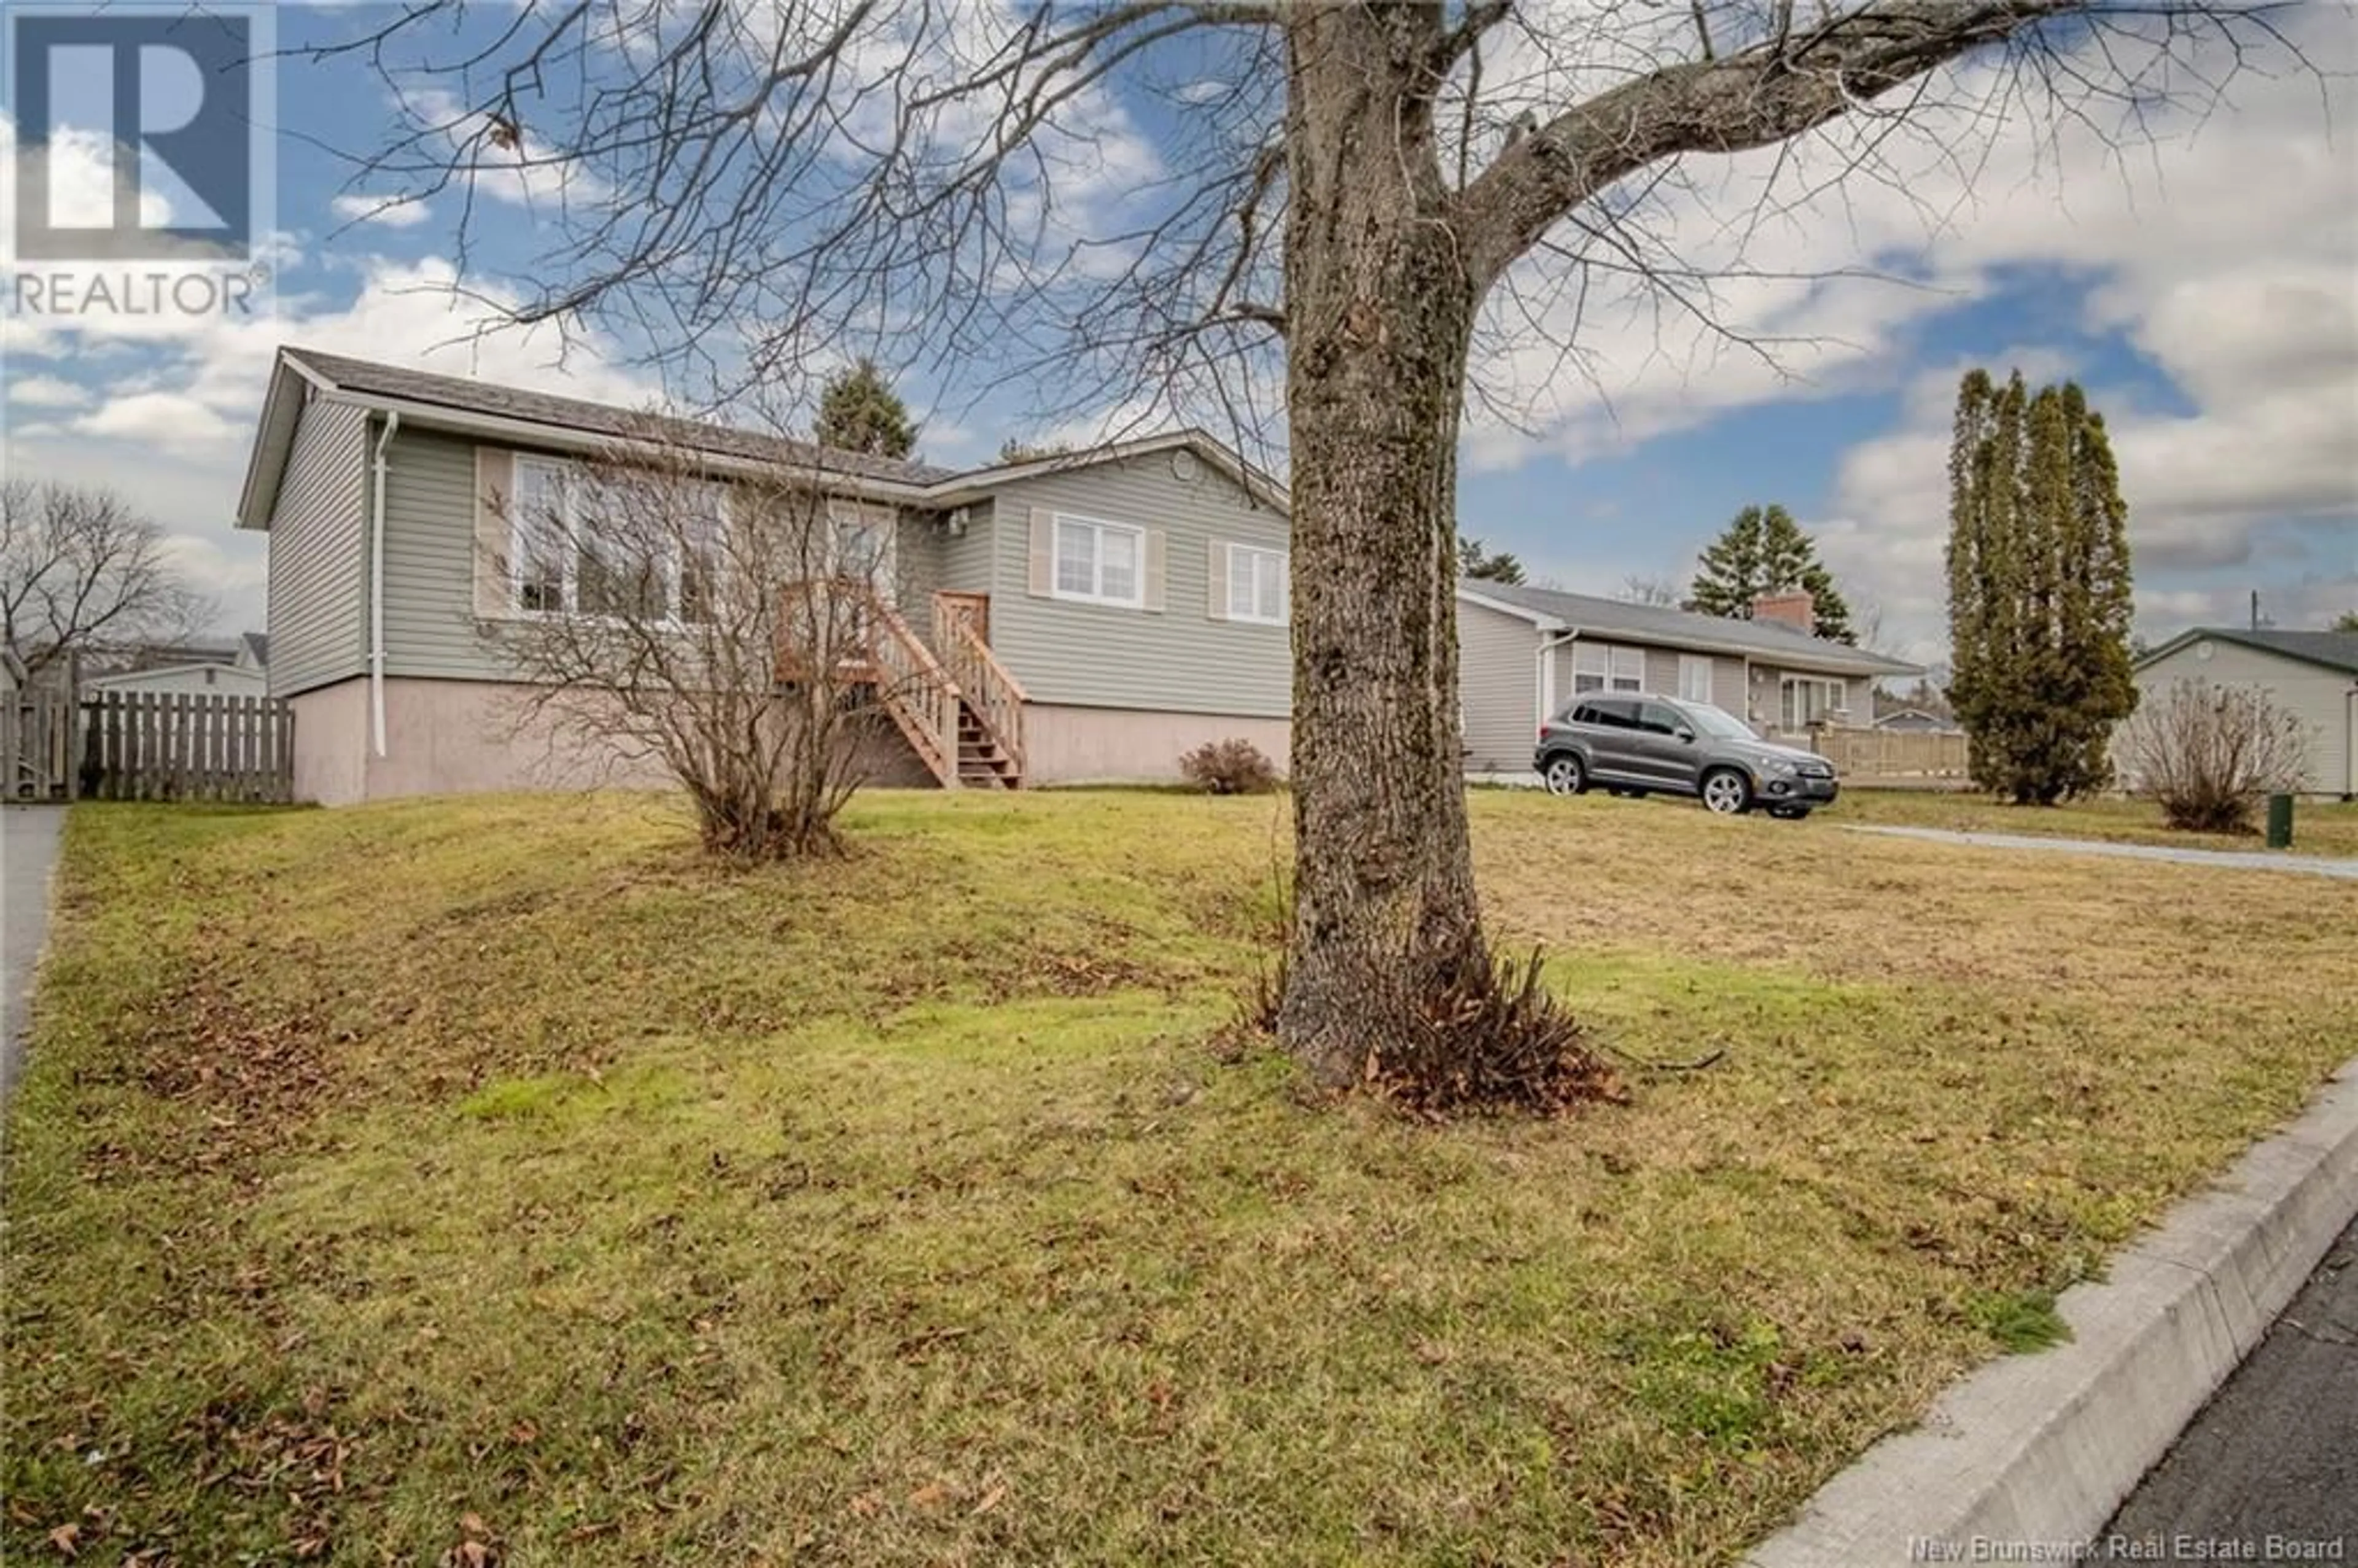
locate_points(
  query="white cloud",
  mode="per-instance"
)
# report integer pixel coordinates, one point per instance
(387, 211)
(2223, 252)
(172, 420)
(46, 392)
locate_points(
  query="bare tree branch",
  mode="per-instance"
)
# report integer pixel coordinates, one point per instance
(1768, 93)
(82, 572)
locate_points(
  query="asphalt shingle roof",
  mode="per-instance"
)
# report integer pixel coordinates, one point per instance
(2334, 650)
(1661, 624)
(466, 395)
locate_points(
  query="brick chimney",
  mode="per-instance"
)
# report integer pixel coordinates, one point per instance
(1793, 607)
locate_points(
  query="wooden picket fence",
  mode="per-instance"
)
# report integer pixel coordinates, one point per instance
(147, 745)
(38, 748)
(1896, 758)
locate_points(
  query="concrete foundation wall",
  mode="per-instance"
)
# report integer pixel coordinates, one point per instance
(1120, 745)
(332, 736)
(451, 737)
(455, 736)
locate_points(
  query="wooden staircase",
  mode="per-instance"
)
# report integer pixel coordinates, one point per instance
(961, 712)
(982, 761)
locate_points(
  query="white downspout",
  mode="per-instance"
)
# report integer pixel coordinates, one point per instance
(1544, 687)
(376, 583)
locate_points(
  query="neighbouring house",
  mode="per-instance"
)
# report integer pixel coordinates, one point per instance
(1134, 596)
(1914, 721)
(2311, 674)
(236, 668)
(1522, 652)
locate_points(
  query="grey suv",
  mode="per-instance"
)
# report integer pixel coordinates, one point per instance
(1634, 744)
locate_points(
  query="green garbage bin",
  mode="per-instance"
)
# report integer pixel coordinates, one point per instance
(2280, 822)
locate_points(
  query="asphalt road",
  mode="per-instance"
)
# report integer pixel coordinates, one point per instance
(2269, 1470)
(28, 847)
(2230, 860)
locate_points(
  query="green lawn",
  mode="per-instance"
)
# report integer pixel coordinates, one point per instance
(390, 1178)
(2319, 828)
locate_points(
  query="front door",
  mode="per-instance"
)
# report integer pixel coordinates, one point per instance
(971, 609)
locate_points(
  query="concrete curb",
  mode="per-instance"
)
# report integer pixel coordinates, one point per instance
(2041, 1450)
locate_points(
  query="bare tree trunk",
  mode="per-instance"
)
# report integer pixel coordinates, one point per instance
(1380, 313)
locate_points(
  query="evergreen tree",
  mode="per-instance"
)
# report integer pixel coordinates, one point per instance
(2346, 621)
(1731, 569)
(859, 411)
(2038, 589)
(1763, 551)
(1475, 562)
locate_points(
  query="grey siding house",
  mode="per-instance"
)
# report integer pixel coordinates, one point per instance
(1523, 652)
(2311, 674)
(1133, 597)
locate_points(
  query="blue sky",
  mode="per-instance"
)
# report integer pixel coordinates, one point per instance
(2204, 288)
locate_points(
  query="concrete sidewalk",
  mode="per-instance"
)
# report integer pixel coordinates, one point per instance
(2225, 860)
(29, 849)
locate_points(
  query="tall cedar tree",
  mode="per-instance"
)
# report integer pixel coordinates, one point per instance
(860, 412)
(1765, 551)
(2039, 590)
(1475, 560)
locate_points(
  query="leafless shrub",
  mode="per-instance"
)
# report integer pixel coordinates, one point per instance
(1234, 766)
(735, 629)
(81, 571)
(2207, 754)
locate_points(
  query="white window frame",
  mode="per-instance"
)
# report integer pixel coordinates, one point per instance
(843, 513)
(566, 472)
(1792, 716)
(1099, 528)
(1616, 668)
(1583, 675)
(1695, 671)
(1249, 558)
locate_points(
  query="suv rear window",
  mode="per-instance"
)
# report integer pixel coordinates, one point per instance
(1610, 712)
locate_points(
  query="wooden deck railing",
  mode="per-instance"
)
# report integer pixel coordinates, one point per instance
(916, 691)
(994, 695)
(926, 692)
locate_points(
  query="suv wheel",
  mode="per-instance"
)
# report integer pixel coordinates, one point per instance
(1728, 792)
(1564, 776)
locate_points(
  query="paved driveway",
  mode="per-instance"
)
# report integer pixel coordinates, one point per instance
(2230, 860)
(28, 847)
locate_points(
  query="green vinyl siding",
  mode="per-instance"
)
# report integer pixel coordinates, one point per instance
(430, 562)
(1180, 659)
(317, 614)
